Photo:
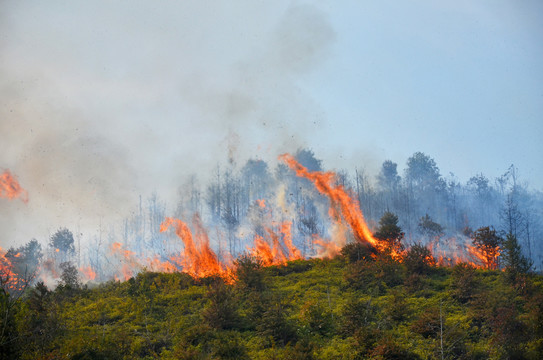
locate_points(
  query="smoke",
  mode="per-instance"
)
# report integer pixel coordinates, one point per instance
(103, 102)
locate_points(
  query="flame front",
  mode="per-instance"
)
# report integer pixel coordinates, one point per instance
(10, 188)
(451, 251)
(275, 248)
(198, 259)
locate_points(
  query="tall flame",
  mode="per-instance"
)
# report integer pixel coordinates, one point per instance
(10, 188)
(341, 203)
(198, 259)
(275, 248)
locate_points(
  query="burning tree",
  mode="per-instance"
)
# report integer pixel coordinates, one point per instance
(389, 232)
(487, 242)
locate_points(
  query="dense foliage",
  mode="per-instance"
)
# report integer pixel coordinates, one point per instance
(354, 306)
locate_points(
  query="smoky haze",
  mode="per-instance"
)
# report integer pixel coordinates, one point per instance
(102, 102)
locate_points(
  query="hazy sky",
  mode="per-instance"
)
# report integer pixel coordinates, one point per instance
(104, 100)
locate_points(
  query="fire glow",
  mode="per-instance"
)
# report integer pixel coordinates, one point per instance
(272, 243)
(10, 188)
(8, 279)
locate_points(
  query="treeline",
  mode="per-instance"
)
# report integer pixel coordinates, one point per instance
(357, 305)
(430, 208)
(428, 204)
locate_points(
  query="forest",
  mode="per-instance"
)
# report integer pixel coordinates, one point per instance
(291, 262)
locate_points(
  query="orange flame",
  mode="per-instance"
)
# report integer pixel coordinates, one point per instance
(261, 203)
(198, 260)
(452, 251)
(10, 188)
(88, 272)
(270, 250)
(9, 280)
(341, 203)
(130, 264)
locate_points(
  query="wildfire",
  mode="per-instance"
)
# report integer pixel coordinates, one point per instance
(273, 241)
(450, 252)
(198, 259)
(275, 248)
(8, 279)
(88, 272)
(130, 264)
(10, 188)
(342, 205)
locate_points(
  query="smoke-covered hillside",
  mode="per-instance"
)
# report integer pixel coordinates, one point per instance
(277, 214)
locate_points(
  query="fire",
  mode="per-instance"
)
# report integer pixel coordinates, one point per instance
(8, 279)
(261, 203)
(276, 248)
(10, 188)
(342, 205)
(130, 264)
(88, 272)
(198, 259)
(450, 252)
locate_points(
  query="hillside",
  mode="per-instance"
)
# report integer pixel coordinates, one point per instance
(339, 308)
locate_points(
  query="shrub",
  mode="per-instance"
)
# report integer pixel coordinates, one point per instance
(419, 259)
(248, 270)
(463, 282)
(357, 251)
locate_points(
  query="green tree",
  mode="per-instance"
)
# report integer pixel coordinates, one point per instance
(248, 270)
(419, 259)
(356, 251)
(222, 310)
(463, 282)
(514, 262)
(8, 326)
(70, 276)
(389, 231)
(275, 325)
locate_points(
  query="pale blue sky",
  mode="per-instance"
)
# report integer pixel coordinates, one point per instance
(104, 100)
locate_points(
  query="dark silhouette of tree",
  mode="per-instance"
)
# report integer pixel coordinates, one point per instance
(513, 261)
(25, 261)
(419, 259)
(426, 189)
(62, 244)
(422, 173)
(389, 231)
(256, 181)
(307, 158)
(429, 228)
(357, 251)
(388, 177)
(70, 276)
